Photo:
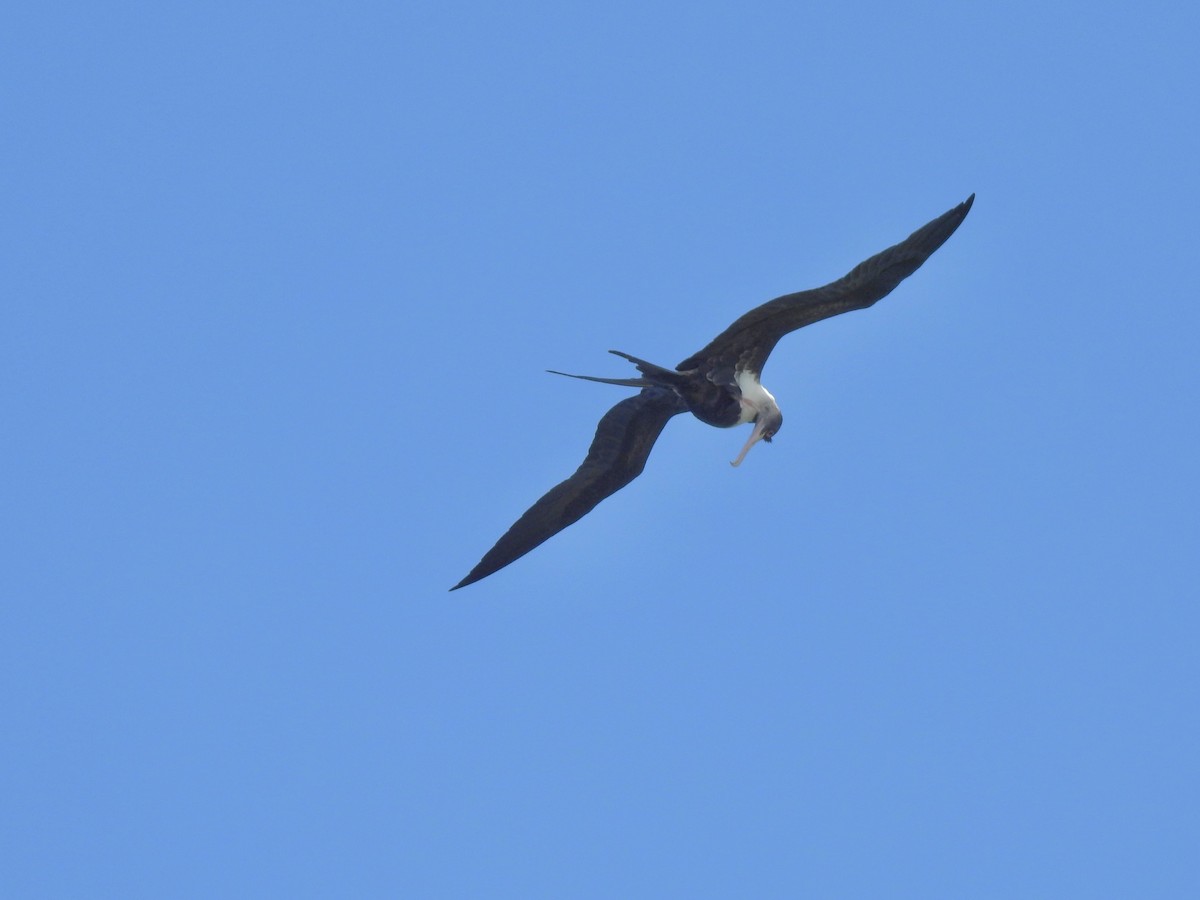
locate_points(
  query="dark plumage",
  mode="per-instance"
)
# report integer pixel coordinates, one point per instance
(719, 385)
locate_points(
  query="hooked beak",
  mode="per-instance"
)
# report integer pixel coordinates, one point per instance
(755, 436)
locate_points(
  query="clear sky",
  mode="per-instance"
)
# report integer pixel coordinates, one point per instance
(280, 283)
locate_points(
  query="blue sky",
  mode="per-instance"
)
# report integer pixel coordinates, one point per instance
(281, 282)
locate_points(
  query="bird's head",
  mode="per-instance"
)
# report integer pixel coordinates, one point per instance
(766, 425)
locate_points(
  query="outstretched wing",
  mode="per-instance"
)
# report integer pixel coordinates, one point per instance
(623, 441)
(749, 341)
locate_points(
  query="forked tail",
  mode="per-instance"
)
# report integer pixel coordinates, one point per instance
(651, 374)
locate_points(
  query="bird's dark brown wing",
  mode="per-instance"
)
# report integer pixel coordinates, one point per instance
(749, 341)
(623, 441)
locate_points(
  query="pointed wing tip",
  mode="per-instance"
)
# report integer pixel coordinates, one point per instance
(476, 574)
(473, 576)
(959, 212)
(956, 215)
(928, 239)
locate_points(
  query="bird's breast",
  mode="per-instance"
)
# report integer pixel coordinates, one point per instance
(755, 398)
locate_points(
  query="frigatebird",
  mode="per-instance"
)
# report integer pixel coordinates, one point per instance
(719, 385)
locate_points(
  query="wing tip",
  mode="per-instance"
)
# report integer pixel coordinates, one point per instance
(482, 570)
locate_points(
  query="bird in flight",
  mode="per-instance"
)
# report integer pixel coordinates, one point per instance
(719, 385)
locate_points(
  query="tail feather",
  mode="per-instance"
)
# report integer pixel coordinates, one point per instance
(623, 382)
(650, 370)
(652, 375)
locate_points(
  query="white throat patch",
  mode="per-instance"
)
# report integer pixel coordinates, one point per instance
(755, 398)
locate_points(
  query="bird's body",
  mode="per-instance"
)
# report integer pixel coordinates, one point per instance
(719, 385)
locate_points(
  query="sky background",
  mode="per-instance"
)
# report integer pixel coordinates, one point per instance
(280, 283)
